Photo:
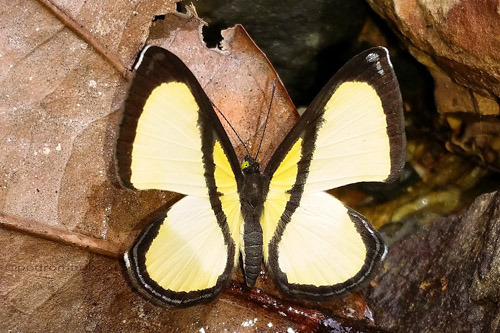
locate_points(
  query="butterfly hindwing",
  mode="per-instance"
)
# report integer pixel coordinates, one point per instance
(171, 139)
(314, 246)
(183, 257)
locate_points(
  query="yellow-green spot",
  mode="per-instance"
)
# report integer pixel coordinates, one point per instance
(245, 165)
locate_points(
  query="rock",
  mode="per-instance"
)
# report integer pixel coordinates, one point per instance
(444, 278)
(458, 42)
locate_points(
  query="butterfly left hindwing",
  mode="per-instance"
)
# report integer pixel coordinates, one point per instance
(170, 139)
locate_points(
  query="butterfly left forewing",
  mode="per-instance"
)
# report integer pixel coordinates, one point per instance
(169, 129)
(314, 246)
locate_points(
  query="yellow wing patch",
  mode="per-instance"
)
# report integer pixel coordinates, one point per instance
(166, 152)
(320, 245)
(352, 143)
(282, 182)
(229, 198)
(189, 252)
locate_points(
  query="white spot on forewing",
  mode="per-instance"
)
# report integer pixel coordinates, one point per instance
(141, 57)
(372, 57)
(92, 83)
(290, 330)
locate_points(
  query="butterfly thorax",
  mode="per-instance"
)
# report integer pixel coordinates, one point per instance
(252, 199)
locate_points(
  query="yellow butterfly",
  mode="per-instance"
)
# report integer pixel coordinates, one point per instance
(313, 246)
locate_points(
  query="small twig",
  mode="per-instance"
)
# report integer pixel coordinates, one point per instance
(84, 34)
(307, 317)
(96, 245)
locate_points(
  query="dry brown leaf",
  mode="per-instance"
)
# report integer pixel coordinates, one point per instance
(238, 79)
(60, 103)
(63, 77)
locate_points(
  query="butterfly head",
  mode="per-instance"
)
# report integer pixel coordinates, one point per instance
(249, 165)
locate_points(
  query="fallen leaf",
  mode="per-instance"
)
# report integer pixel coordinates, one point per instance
(64, 67)
(238, 79)
(61, 98)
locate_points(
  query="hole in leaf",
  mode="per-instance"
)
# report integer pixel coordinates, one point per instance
(212, 35)
(158, 18)
(180, 7)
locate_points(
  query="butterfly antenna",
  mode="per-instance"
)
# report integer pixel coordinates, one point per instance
(227, 121)
(267, 118)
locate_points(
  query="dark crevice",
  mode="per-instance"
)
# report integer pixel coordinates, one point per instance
(158, 18)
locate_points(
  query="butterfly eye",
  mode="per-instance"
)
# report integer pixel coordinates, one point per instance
(245, 165)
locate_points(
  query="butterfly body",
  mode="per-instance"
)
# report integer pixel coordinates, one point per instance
(311, 244)
(253, 192)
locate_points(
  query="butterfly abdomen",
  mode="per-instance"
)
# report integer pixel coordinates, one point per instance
(252, 198)
(253, 253)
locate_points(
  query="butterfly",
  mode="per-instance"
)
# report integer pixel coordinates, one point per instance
(313, 246)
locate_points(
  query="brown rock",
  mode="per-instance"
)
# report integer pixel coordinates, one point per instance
(458, 42)
(445, 278)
